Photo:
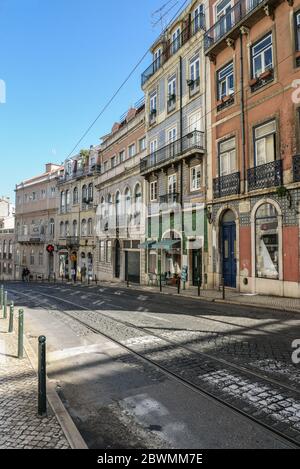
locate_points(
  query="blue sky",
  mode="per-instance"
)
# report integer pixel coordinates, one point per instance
(61, 61)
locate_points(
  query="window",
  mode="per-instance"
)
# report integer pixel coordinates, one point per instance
(153, 103)
(198, 18)
(61, 229)
(265, 143)
(67, 229)
(62, 201)
(227, 157)
(122, 156)
(102, 251)
(297, 32)
(90, 227)
(31, 258)
(225, 81)
(172, 134)
(194, 81)
(43, 192)
(262, 56)
(267, 249)
(223, 17)
(75, 228)
(83, 228)
(157, 59)
(41, 258)
(172, 184)
(68, 199)
(176, 41)
(51, 228)
(153, 191)
(113, 162)
(172, 87)
(84, 194)
(142, 144)
(75, 196)
(108, 252)
(131, 150)
(195, 177)
(90, 192)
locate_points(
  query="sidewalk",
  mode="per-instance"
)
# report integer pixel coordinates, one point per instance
(231, 296)
(20, 426)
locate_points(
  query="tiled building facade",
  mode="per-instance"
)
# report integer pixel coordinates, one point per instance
(253, 48)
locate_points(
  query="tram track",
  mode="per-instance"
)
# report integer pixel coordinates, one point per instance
(165, 345)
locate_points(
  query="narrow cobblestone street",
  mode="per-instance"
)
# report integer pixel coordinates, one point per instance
(20, 426)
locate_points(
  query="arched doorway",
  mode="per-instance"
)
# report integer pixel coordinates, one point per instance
(228, 246)
(117, 259)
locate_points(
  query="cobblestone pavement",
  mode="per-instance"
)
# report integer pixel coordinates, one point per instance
(258, 340)
(20, 427)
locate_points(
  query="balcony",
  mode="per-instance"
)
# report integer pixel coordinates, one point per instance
(265, 175)
(31, 239)
(226, 185)
(296, 168)
(79, 173)
(170, 198)
(72, 241)
(243, 13)
(171, 48)
(193, 142)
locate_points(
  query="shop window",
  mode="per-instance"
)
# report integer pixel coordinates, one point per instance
(267, 242)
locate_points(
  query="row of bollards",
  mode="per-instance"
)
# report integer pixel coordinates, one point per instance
(42, 392)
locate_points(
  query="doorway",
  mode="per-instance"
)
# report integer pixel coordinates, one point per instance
(117, 259)
(197, 266)
(228, 242)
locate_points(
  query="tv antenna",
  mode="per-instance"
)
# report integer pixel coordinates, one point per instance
(159, 16)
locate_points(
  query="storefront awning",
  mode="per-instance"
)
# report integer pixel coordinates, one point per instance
(167, 244)
(146, 245)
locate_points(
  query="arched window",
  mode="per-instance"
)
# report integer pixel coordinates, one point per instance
(90, 227)
(75, 228)
(61, 229)
(127, 205)
(51, 227)
(83, 228)
(84, 194)
(75, 196)
(118, 208)
(31, 257)
(68, 199)
(67, 228)
(91, 192)
(267, 242)
(138, 203)
(62, 201)
(110, 211)
(4, 249)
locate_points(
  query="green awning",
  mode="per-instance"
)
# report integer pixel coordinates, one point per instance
(146, 245)
(167, 244)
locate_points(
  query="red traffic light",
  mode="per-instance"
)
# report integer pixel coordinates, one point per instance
(50, 248)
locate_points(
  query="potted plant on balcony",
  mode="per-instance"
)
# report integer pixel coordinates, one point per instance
(253, 81)
(266, 74)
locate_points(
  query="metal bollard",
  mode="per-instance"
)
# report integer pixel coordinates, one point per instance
(11, 318)
(20, 333)
(178, 285)
(198, 286)
(5, 305)
(223, 288)
(1, 296)
(42, 396)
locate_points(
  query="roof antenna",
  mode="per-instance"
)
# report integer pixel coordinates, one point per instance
(159, 16)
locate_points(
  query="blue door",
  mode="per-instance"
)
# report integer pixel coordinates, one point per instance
(229, 253)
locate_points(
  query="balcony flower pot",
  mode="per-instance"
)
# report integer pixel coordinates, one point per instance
(219, 102)
(226, 98)
(253, 81)
(266, 74)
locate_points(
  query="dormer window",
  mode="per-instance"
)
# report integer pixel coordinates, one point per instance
(157, 59)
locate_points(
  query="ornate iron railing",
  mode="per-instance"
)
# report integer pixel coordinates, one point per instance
(72, 241)
(265, 175)
(171, 48)
(80, 172)
(225, 24)
(296, 168)
(226, 185)
(193, 140)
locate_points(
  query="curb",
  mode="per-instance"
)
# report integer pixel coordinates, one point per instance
(71, 432)
(259, 305)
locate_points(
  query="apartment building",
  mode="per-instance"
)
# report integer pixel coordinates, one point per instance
(36, 202)
(253, 200)
(175, 166)
(120, 191)
(7, 239)
(75, 236)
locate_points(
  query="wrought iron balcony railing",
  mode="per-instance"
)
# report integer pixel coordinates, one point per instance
(226, 185)
(79, 173)
(192, 141)
(265, 175)
(171, 197)
(171, 48)
(241, 10)
(72, 241)
(296, 168)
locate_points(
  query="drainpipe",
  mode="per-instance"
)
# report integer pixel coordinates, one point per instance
(243, 188)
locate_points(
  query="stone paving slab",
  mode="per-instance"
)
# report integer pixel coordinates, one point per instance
(20, 426)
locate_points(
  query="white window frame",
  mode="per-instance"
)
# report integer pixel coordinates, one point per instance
(153, 191)
(153, 101)
(197, 15)
(226, 156)
(176, 40)
(172, 183)
(261, 54)
(172, 88)
(262, 142)
(157, 58)
(130, 153)
(225, 79)
(195, 182)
